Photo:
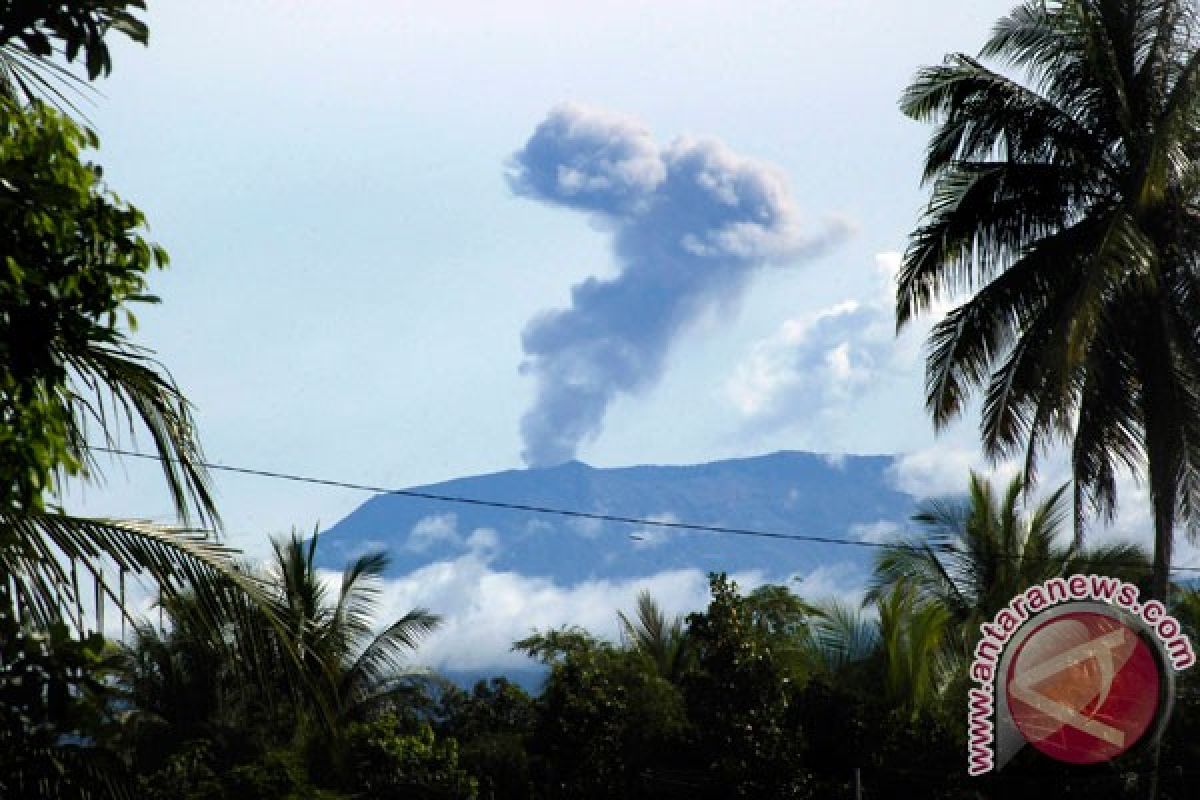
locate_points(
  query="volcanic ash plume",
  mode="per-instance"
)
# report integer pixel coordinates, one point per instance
(691, 223)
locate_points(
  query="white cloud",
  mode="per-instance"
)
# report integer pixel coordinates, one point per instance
(842, 582)
(810, 361)
(586, 527)
(435, 529)
(818, 362)
(936, 471)
(879, 532)
(835, 460)
(484, 542)
(484, 611)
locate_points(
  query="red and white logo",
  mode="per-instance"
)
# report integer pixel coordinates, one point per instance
(1083, 687)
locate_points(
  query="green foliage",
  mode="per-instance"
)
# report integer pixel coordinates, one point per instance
(739, 700)
(1063, 201)
(491, 706)
(237, 698)
(982, 550)
(494, 725)
(74, 259)
(53, 700)
(898, 754)
(347, 668)
(661, 642)
(31, 31)
(605, 720)
(73, 263)
(199, 772)
(388, 762)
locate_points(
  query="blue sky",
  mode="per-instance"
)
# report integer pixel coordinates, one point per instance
(353, 273)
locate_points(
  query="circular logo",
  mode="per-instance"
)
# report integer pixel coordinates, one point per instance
(1083, 687)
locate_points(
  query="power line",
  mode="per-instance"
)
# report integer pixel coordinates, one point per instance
(532, 509)
(471, 501)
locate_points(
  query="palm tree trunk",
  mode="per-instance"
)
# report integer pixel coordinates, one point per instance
(1077, 523)
(1164, 440)
(1163, 539)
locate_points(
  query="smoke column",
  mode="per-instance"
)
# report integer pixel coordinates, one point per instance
(691, 224)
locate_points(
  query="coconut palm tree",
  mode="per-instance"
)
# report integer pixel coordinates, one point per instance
(1063, 201)
(663, 642)
(353, 667)
(299, 679)
(71, 379)
(896, 646)
(979, 552)
(76, 261)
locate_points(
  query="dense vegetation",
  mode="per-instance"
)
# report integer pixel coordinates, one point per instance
(1065, 203)
(761, 694)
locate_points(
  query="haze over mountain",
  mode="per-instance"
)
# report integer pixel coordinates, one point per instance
(786, 492)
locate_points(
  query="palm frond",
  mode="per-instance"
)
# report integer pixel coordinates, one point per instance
(126, 385)
(842, 635)
(386, 656)
(663, 642)
(34, 549)
(27, 78)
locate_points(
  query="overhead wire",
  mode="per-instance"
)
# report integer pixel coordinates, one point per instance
(536, 509)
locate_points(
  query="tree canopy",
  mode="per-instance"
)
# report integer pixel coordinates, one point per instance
(1063, 201)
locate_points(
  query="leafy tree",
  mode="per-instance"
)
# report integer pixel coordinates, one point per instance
(1064, 200)
(387, 762)
(74, 261)
(739, 701)
(354, 668)
(191, 704)
(32, 30)
(895, 753)
(607, 726)
(494, 725)
(54, 699)
(787, 622)
(263, 690)
(896, 652)
(932, 592)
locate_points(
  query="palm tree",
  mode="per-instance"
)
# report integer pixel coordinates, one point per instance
(980, 551)
(1065, 200)
(299, 680)
(663, 642)
(74, 261)
(896, 647)
(352, 668)
(70, 377)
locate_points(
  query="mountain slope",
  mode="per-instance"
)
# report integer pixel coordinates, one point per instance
(786, 492)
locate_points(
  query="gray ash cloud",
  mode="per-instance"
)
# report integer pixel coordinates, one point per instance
(691, 223)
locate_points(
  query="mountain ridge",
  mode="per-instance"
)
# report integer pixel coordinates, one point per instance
(784, 492)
